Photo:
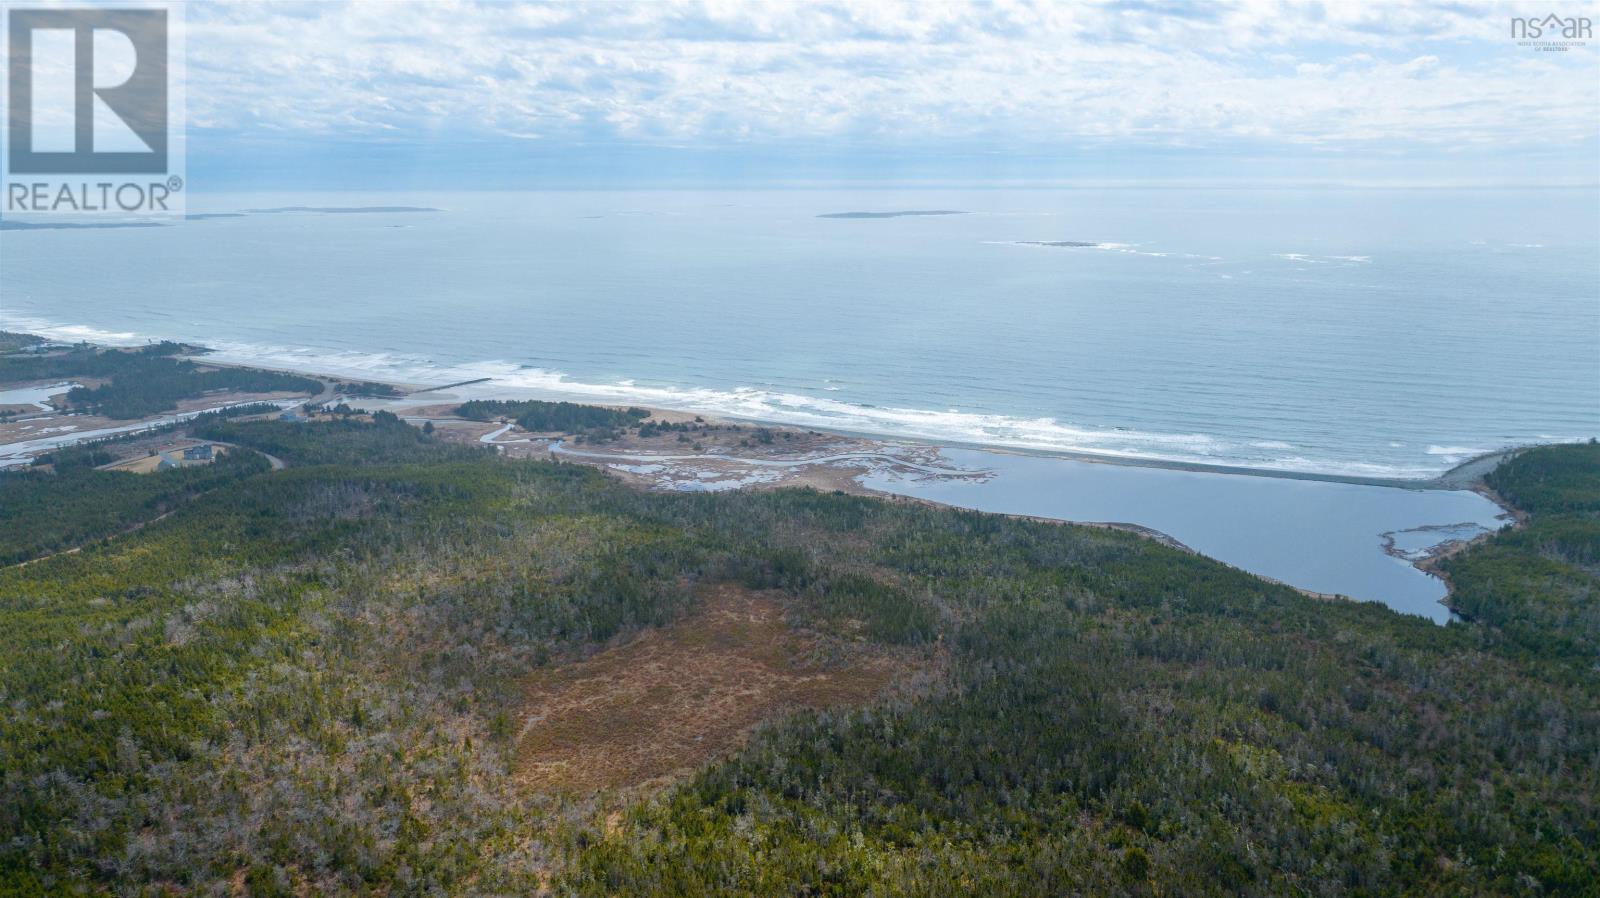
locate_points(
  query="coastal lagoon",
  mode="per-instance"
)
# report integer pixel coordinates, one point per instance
(1336, 538)
(1317, 535)
(34, 396)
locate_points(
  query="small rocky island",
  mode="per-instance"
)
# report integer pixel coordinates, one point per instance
(900, 214)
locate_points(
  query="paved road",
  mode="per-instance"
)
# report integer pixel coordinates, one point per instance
(277, 463)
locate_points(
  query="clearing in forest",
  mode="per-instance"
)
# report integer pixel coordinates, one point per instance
(671, 699)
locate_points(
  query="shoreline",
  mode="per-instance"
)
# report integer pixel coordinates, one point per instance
(812, 462)
(1466, 475)
(846, 479)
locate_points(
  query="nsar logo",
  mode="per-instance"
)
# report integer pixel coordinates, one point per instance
(1552, 32)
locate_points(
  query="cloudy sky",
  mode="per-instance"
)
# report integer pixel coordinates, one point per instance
(573, 94)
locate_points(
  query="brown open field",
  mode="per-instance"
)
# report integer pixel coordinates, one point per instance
(668, 701)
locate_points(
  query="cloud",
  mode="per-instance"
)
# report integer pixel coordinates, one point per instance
(1145, 73)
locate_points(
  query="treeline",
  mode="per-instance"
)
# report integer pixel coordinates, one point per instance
(598, 424)
(552, 417)
(385, 440)
(83, 360)
(144, 381)
(43, 512)
(1539, 585)
(10, 341)
(153, 385)
(308, 682)
(368, 388)
(1551, 479)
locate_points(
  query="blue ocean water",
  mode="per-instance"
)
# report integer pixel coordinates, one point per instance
(1366, 332)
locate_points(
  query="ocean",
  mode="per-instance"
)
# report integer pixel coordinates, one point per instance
(1363, 332)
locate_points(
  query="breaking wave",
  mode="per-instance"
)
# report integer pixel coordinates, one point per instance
(506, 380)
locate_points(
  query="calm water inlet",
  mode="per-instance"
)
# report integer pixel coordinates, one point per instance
(1321, 536)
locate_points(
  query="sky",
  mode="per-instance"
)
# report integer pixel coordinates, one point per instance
(496, 95)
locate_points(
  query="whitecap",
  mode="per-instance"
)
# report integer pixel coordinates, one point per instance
(505, 379)
(1454, 455)
(71, 333)
(1457, 450)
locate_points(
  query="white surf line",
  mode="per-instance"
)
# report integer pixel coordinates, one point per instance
(558, 448)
